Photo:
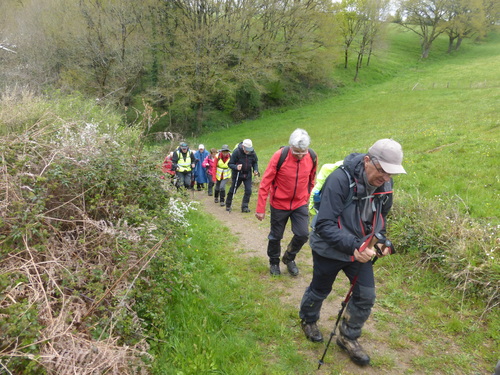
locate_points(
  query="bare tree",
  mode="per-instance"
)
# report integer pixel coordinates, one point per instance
(93, 46)
(113, 45)
(213, 48)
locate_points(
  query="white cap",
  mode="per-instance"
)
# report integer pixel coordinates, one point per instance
(201, 147)
(247, 143)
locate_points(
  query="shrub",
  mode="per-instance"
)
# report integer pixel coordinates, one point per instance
(463, 249)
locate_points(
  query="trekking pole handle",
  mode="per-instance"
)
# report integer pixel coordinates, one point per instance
(381, 239)
(370, 242)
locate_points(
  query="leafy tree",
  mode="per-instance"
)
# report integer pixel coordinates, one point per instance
(467, 18)
(350, 24)
(426, 18)
(372, 14)
(491, 12)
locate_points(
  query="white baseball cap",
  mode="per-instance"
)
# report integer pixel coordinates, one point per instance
(247, 143)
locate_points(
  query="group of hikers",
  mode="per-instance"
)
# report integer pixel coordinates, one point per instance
(350, 204)
(215, 169)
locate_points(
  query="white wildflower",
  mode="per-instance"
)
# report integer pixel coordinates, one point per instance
(177, 209)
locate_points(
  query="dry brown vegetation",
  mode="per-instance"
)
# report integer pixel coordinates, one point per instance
(75, 240)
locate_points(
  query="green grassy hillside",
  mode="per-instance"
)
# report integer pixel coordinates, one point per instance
(445, 111)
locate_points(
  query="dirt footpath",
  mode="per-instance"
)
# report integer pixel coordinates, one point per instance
(252, 236)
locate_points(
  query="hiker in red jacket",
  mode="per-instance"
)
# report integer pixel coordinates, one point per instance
(288, 181)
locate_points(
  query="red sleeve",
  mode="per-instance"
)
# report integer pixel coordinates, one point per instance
(167, 165)
(266, 182)
(213, 168)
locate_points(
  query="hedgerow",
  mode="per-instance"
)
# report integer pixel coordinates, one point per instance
(83, 216)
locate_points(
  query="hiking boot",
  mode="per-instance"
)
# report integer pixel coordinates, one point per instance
(354, 350)
(222, 202)
(291, 266)
(228, 209)
(245, 209)
(311, 331)
(216, 200)
(274, 269)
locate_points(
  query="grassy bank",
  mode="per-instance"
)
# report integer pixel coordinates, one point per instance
(444, 111)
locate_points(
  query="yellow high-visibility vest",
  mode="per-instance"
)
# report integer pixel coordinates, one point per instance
(223, 170)
(184, 164)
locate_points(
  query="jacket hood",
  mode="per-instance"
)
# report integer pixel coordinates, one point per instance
(354, 164)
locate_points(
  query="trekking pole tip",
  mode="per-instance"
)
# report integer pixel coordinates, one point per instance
(320, 362)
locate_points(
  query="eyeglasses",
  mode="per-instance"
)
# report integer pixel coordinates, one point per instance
(299, 152)
(379, 169)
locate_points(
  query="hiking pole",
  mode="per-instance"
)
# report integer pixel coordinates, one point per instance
(234, 190)
(370, 242)
(381, 239)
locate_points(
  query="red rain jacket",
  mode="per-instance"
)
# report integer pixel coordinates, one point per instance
(290, 187)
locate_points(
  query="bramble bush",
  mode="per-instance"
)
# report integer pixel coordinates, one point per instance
(84, 223)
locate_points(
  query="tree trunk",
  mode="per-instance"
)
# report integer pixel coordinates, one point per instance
(459, 43)
(450, 43)
(359, 61)
(426, 48)
(369, 53)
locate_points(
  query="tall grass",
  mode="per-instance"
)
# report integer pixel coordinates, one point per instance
(82, 215)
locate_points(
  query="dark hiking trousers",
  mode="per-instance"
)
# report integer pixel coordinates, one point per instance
(300, 230)
(247, 182)
(358, 310)
(183, 179)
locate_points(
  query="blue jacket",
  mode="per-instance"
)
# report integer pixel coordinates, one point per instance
(200, 172)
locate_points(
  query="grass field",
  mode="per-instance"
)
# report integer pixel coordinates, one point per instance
(228, 319)
(445, 111)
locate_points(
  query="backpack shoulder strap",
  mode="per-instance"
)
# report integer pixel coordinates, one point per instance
(284, 153)
(314, 157)
(353, 188)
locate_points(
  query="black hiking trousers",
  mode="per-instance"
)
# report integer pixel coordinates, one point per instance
(247, 182)
(359, 308)
(300, 222)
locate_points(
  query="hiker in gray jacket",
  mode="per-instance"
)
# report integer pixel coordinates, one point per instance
(355, 201)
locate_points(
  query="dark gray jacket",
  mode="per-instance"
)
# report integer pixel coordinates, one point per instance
(248, 161)
(339, 229)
